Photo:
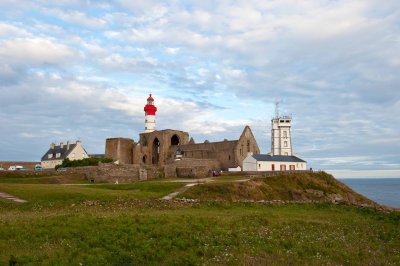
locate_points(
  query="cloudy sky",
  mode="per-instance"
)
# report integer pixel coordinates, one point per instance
(83, 69)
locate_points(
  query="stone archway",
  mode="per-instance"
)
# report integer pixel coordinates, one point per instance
(155, 151)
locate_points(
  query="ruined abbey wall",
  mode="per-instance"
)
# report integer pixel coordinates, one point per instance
(120, 149)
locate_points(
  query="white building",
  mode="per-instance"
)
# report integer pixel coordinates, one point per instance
(56, 154)
(281, 157)
(268, 162)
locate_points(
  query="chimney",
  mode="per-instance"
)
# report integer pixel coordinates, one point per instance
(61, 145)
(52, 146)
(78, 142)
(67, 145)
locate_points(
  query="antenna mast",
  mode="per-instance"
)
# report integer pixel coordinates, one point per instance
(276, 109)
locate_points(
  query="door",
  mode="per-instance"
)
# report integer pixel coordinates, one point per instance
(273, 167)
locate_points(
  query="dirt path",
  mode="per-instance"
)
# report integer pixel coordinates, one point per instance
(181, 190)
(192, 183)
(11, 197)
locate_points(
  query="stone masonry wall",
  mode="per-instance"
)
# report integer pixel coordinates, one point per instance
(111, 173)
(192, 168)
(120, 149)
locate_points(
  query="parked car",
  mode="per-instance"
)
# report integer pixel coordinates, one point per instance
(16, 168)
(38, 167)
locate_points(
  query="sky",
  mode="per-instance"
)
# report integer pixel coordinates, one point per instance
(83, 69)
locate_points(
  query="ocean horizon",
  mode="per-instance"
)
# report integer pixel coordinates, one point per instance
(383, 190)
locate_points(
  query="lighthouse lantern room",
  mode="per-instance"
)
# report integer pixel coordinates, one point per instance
(150, 115)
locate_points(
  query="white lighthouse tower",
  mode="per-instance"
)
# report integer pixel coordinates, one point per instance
(150, 115)
(280, 134)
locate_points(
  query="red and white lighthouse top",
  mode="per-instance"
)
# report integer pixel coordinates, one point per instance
(149, 108)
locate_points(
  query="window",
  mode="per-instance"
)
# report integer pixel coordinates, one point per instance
(229, 157)
(286, 153)
(259, 165)
(50, 156)
(285, 134)
(285, 143)
(58, 155)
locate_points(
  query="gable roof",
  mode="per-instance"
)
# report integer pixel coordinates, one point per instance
(277, 158)
(57, 149)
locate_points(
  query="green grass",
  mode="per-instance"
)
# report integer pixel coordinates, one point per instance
(55, 179)
(108, 224)
(160, 233)
(61, 195)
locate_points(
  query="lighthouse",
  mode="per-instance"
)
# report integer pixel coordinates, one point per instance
(150, 115)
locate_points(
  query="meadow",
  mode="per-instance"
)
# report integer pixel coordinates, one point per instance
(127, 224)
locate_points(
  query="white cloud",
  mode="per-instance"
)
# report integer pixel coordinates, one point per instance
(75, 17)
(7, 30)
(37, 51)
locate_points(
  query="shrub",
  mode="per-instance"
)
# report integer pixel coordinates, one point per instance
(84, 162)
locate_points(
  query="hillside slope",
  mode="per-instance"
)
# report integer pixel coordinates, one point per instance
(300, 187)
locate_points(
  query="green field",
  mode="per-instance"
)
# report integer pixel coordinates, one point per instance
(108, 224)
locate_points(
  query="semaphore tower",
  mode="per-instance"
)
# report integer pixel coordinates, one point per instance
(150, 115)
(280, 134)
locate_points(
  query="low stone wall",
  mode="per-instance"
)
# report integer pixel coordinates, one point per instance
(27, 173)
(191, 168)
(111, 173)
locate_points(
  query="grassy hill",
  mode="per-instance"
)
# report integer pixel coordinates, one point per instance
(300, 187)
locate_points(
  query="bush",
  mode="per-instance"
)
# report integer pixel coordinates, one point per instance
(84, 162)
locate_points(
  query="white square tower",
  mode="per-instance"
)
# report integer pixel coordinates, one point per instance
(281, 143)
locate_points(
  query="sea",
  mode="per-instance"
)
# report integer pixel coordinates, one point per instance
(385, 191)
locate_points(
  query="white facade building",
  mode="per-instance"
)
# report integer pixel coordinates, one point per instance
(56, 154)
(267, 162)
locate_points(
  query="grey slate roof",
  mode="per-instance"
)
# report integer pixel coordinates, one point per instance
(278, 158)
(57, 149)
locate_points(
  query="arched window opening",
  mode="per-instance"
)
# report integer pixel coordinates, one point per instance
(156, 151)
(175, 140)
(248, 146)
(144, 159)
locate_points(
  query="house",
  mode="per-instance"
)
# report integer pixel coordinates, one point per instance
(268, 162)
(56, 154)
